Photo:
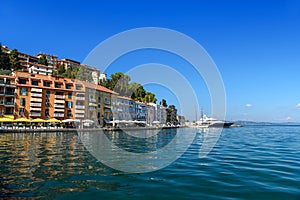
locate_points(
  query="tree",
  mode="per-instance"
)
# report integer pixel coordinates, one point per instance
(61, 69)
(43, 60)
(119, 83)
(136, 91)
(4, 60)
(172, 114)
(149, 98)
(164, 103)
(14, 60)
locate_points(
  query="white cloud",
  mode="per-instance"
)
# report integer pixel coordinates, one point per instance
(248, 105)
(298, 106)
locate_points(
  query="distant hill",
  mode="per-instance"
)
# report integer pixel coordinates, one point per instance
(252, 123)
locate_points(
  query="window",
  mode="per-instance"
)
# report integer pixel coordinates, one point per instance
(47, 113)
(47, 103)
(68, 86)
(21, 111)
(99, 115)
(34, 82)
(48, 93)
(8, 82)
(78, 87)
(69, 104)
(22, 81)
(69, 113)
(23, 91)
(99, 106)
(99, 99)
(47, 83)
(106, 101)
(69, 95)
(57, 85)
(22, 102)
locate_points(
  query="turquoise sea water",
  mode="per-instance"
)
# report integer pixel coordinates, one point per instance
(257, 162)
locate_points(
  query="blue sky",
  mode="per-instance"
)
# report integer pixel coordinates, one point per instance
(255, 44)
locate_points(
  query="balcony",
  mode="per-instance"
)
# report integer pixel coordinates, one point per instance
(93, 100)
(35, 109)
(36, 95)
(36, 104)
(92, 108)
(59, 114)
(59, 101)
(2, 92)
(59, 110)
(79, 115)
(35, 114)
(9, 93)
(36, 90)
(10, 104)
(93, 104)
(59, 96)
(36, 100)
(107, 102)
(80, 98)
(80, 111)
(59, 106)
(80, 107)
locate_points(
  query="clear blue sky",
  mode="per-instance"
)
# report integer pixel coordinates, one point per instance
(255, 44)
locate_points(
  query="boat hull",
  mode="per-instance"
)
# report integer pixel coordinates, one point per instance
(221, 125)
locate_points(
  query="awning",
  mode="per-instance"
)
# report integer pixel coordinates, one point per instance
(70, 120)
(38, 120)
(53, 120)
(22, 119)
(5, 119)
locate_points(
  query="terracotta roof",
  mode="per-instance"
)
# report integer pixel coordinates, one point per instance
(127, 98)
(97, 87)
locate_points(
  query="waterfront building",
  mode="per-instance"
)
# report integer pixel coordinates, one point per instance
(141, 111)
(98, 103)
(125, 108)
(7, 95)
(156, 113)
(42, 96)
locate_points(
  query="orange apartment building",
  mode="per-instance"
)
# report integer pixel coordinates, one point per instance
(45, 96)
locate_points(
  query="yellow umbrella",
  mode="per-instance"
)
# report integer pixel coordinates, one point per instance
(38, 120)
(22, 119)
(4, 119)
(52, 120)
(9, 116)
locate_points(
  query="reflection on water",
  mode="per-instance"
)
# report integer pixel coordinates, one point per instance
(246, 163)
(44, 164)
(130, 154)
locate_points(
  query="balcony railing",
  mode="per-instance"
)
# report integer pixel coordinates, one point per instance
(59, 96)
(107, 102)
(36, 90)
(36, 95)
(35, 114)
(9, 93)
(59, 105)
(10, 103)
(59, 114)
(93, 100)
(80, 107)
(80, 98)
(36, 104)
(79, 115)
